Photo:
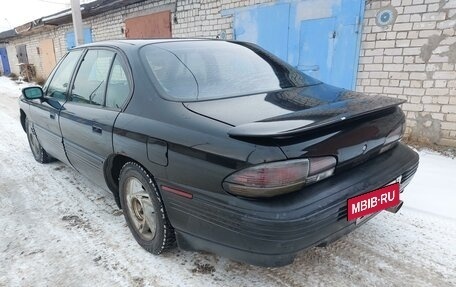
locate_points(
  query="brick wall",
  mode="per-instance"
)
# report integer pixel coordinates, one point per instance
(414, 59)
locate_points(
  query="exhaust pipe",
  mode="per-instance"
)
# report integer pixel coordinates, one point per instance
(395, 209)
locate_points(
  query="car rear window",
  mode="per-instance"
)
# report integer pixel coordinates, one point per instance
(201, 70)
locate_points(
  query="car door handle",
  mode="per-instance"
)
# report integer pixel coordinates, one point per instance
(52, 116)
(97, 130)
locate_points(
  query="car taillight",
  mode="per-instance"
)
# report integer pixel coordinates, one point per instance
(320, 168)
(271, 179)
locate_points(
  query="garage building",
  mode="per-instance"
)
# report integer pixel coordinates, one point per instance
(400, 48)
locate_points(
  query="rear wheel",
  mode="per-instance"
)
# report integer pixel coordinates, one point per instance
(143, 209)
(38, 151)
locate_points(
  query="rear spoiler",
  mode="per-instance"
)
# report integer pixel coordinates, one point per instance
(308, 120)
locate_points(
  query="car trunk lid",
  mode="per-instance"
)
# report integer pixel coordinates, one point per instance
(312, 121)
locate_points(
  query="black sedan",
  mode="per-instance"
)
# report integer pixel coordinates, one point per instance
(220, 145)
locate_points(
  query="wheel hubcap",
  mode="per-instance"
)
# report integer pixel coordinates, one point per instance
(140, 208)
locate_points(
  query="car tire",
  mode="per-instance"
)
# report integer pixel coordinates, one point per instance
(144, 210)
(39, 153)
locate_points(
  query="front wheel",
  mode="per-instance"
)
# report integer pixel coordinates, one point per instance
(38, 151)
(144, 210)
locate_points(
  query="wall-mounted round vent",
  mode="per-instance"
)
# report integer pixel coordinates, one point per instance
(386, 16)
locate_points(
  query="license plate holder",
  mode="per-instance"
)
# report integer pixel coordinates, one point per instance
(363, 206)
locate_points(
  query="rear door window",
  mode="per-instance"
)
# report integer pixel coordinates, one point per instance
(91, 80)
(119, 86)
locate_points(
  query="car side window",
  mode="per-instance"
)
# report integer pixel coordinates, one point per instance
(57, 87)
(118, 85)
(90, 83)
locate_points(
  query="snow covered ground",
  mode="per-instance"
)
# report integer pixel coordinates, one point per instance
(58, 229)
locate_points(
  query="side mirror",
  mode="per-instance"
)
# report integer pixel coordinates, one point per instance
(32, 93)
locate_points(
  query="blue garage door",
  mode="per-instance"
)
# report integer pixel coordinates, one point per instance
(319, 37)
(317, 33)
(5, 63)
(71, 41)
(258, 24)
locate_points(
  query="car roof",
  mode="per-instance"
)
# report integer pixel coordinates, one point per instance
(140, 42)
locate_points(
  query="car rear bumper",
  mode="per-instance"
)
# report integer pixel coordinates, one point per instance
(270, 232)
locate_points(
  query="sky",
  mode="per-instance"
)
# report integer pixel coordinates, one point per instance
(17, 12)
